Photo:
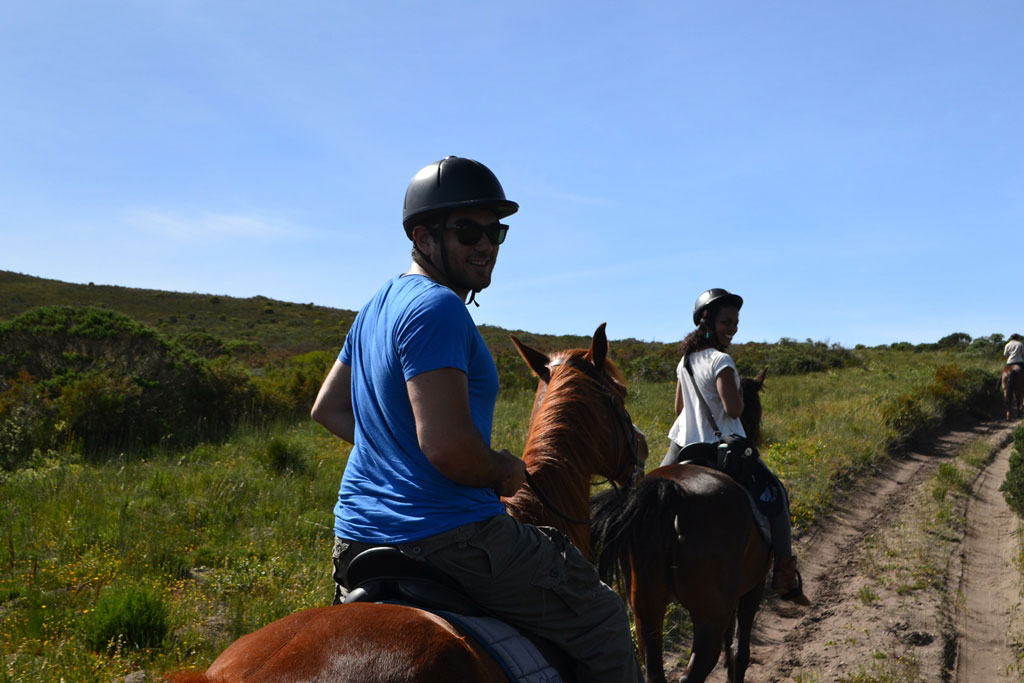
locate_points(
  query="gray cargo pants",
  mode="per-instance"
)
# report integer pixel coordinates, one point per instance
(535, 579)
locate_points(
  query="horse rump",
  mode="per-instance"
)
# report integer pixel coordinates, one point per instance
(638, 521)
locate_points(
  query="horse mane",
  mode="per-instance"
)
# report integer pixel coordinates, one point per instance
(566, 433)
(567, 415)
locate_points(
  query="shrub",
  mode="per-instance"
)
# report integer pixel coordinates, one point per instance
(132, 615)
(27, 423)
(790, 357)
(904, 414)
(284, 457)
(111, 381)
(289, 387)
(202, 344)
(954, 341)
(1013, 486)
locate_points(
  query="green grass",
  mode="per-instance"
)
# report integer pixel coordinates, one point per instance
(227, 539)
(234, 534)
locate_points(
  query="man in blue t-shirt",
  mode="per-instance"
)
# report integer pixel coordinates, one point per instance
(414, 390)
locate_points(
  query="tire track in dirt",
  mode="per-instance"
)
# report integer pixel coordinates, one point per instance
(990, 593)
(846, 625)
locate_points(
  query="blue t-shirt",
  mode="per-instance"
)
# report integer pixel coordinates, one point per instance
(390, 493)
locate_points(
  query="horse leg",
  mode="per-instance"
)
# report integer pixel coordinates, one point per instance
(740, 649)
(728, 648)
(649, 605)
(707, 646)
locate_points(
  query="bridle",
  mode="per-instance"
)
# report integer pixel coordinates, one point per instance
(623, 419)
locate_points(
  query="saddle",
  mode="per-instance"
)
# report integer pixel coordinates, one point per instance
(758, 484)
(385, 575)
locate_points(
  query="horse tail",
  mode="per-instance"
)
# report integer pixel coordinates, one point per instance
(638, 522)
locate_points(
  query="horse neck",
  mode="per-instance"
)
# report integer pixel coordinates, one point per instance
(752, 413)
(560, 457)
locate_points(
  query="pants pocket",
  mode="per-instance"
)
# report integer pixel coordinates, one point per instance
(566, 572)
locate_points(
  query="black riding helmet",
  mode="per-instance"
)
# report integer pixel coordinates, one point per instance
(453, 183)
(717, 298)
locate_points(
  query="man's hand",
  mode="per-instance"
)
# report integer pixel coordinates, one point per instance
(515, 476)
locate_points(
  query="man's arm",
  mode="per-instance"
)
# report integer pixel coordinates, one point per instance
(450, 440)
(333, 405)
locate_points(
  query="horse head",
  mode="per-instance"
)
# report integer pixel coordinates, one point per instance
(579, 427)
(752, 412)
(589, 382)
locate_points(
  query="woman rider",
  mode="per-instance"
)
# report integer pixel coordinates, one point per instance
(716, 314)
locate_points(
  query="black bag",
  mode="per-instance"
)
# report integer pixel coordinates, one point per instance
(736, 456)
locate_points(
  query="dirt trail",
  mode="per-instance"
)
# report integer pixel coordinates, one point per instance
(884, 593)
(990, 592)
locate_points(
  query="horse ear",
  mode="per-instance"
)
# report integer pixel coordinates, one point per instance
(537, 361)
(759, 380)
(599, 347)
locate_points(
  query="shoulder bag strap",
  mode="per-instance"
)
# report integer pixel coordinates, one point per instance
(700, 397)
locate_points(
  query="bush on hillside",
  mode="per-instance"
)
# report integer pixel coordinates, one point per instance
(28, 423)
(1013, 486)
(286, 457)
(288, 387)
(956, 340)
(106, 382)
(790, 357)
(203, 344)
(131, 616)
(959, 392)
(953, 392)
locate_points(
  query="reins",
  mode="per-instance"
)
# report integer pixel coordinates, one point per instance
(547, 502)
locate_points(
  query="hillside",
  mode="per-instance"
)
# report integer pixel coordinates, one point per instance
(279, 327)
(261, 328)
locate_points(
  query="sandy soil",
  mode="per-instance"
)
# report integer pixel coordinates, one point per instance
(893, 599)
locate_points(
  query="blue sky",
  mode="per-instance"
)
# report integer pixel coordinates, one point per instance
(853, 169)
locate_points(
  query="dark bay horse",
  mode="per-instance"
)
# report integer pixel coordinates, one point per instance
(687, 533)
(579, 428)
(1012, 382)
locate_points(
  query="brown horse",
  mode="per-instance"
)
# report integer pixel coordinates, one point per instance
(1012, 382)
(579, 428)
(687, 533)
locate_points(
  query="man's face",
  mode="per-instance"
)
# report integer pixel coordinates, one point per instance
(470, 265)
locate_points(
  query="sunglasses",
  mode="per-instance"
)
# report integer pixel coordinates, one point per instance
(469, 232)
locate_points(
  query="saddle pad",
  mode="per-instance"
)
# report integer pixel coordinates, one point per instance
(759, 519)
(518, 656)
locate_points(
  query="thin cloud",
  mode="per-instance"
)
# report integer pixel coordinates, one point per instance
(210, 226)
(570, 197)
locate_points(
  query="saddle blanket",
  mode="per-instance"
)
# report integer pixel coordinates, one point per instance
(759, 519)
(517, 655)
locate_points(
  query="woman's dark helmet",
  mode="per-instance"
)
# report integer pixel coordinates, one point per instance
(714, 299)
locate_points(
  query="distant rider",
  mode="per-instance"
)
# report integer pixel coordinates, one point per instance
(1014, 351)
